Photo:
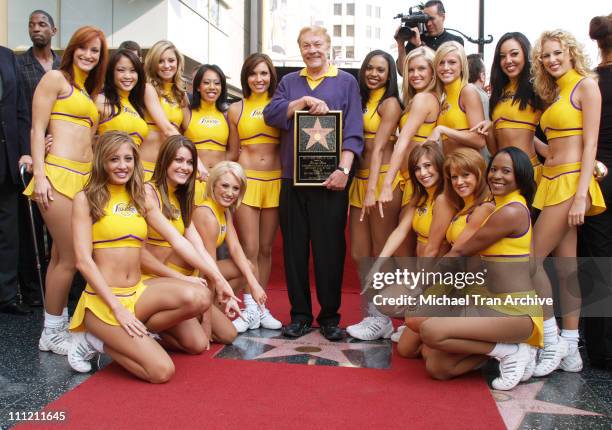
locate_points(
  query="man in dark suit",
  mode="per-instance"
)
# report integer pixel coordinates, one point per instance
(14, 150)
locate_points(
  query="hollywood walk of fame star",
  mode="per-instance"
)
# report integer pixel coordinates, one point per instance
(317, 134)
(313, 344)
(515, 404)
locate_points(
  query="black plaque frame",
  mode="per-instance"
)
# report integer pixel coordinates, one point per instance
(315, 159)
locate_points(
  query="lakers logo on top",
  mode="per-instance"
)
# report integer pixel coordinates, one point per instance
(422, 210)
(209, 122)
(445, 107)
(257, 113)
(124, 209)
(223, 229)
(130, 111)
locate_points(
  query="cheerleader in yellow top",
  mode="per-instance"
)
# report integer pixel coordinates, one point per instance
(63, 105)
(165, 99)
(121, 106)
(117, 309)
(515, 109)
(568, 191)
(456, 345)
(421, 97)
(257, 217)
(213, 219)
(461, 108)
(172, 188)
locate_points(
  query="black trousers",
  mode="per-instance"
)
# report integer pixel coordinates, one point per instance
(595, 240)
(313, 216)
(9, 241)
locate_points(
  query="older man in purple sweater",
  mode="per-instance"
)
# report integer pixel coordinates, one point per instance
(315, 215)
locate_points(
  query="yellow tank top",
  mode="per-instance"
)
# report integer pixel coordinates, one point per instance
(510, 248)
(172, 109)
(563, 118)
(252, 128)
(424, 130)
(371, 118)
(452, 114)
(219, 212)
(421, 221)
(126, 120)
(121, 226)
(208, 128)
(507, 114)
(153, 237)
(77, 107)
(459, 221)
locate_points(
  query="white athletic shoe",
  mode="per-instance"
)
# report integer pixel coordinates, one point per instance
(371, 328)
(511, 368)
(81, 351)
(549, 358)
(395, 337)
(533, 353)
(268, 321)
(55, 339)
(572, 362)
(251, 320)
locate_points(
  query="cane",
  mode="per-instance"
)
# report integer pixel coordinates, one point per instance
(22, 171)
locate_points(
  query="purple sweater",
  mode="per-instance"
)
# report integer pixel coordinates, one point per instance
(340, 93)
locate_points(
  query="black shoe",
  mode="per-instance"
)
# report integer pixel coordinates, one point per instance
(15, 309)
(332, 332)
(295, 329)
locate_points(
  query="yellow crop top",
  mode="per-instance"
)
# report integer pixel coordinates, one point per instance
(563, 118)
(423, 215)
(121, 226)
(172, 109)
(77, 107)
(153, 237)
(126, 120)
(424, 130)
(452, 114)
(459, 221)
(208, 128)
(219, 212)
(510, 248)
(507, 114)
(252, 128)
(371, 118)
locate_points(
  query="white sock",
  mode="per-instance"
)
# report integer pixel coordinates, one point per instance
(95, 342)
(248, 301)
(503, 349)
(551, 332)
(65, 315)
(53, 321)
(571, 336)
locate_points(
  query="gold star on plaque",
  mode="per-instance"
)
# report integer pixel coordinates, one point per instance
(317, 134)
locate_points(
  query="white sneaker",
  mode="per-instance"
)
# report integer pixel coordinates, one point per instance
(250, 321)
(511, 368)
(572, 362)
(81, 351)
(549, 358)
(56, 339)
(371, 328)
(395, 337)
(268, 321)
(533, 353)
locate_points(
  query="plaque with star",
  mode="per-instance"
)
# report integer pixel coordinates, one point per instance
(317, 147)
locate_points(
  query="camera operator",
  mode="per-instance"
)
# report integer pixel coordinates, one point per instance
(435, 36)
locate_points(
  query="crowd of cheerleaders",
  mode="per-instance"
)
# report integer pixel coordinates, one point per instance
(153, 200)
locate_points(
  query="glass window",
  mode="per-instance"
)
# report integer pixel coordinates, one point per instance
(350, 30)
(350, 52)
(377, 11)
(377, 33)
(369, 10)
(337, 51)
(337, 8)
(17, 25)
(368, 31)
(350, 9)
(337, 30)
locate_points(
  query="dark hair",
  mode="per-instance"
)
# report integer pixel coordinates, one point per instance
(249, 65)
(131, 46)
(42, 12)
(433, 151)
(438, 3)
(475, 67)
(600, 29)
(197, 80)
(391, 89)
(523, 171)
(136, 96)
(525, 93)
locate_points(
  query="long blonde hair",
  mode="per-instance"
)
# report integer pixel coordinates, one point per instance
(96, 189)
(544, 84)
(445, 49)
(434, 86)
(151, 66)
(220, 169)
